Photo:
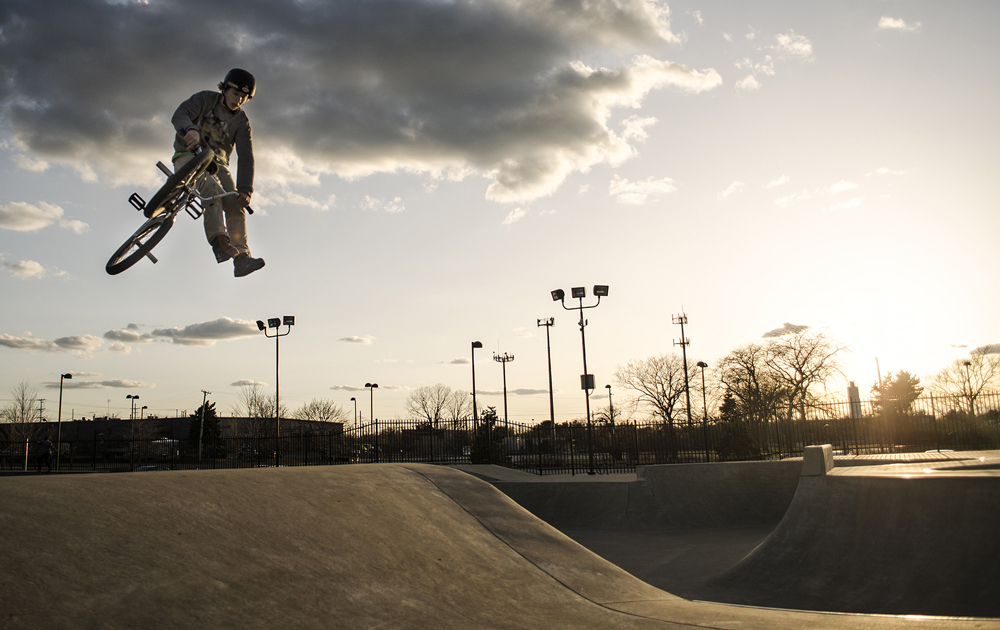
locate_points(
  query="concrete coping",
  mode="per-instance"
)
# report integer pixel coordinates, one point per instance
(817, 460)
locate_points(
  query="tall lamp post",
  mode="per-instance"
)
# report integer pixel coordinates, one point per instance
(355, 401)
(611, 406)
(59, 420)
(586, 380)
(276, 324)
(475, 411)
(704, 402)
(371, 390)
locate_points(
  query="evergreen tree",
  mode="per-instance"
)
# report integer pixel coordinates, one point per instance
(213, 428)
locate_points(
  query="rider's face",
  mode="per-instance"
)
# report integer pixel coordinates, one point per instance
(233, 98)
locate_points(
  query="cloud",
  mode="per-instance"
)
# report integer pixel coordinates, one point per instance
(895, 24)
(129, 335)
(347, 388)
(750, 82)
(697, 16)
(514, 216)
(365, 340)
(207, 333)
(82, 345)
(108, 384)
(460, 361)
(840, 187)
(885, 171)
(959, 345)
(24, 269)
(786, 329)
(763, 67)
(382, 205)
(790, 200)
(635, 127)
(120, 348)
(492, 88)
(246, 382)
(781, 181)
(25, 217)
(794, 46)
(527, 392)
(638, 193)
(733, 188)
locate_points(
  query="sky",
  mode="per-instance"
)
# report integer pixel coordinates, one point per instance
(428, 171)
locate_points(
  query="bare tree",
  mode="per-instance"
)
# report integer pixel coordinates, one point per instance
(258, 407)
(429, 403)
(969, 378)
(321, 410)
(800, 361)
(22, 414)
(659, 383)
(458, 406)
(745, 375)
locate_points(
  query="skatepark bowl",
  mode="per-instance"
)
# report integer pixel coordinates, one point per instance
(880, 542)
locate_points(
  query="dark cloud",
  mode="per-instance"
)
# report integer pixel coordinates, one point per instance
(207, 333)
(786, 329)
(497, 87)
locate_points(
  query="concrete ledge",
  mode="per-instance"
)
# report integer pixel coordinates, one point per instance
(817, 460)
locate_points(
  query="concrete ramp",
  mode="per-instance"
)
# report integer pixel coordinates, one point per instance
(925, 543)
(366, 546)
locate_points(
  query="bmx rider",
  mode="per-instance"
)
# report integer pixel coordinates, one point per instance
(216, 121)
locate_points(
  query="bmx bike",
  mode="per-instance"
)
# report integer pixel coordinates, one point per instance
(177, 194)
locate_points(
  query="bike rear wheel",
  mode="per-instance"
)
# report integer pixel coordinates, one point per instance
(140, 243)
(175, 184)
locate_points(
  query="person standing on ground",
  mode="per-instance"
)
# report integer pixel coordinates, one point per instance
(216, 121)
(45, 457)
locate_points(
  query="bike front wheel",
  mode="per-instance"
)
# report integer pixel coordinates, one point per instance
(174, 187)
(140, 243)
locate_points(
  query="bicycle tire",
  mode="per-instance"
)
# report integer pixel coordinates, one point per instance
(140, 243)
(195, 167)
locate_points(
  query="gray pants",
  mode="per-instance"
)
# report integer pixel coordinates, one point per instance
(222, 216)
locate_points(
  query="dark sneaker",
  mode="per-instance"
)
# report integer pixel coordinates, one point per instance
(222, 249)
(244, 265)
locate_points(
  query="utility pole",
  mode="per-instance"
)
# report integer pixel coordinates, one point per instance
(683, 343)
(549, 323)
(201, 433)
(504, 360)
(41, 409)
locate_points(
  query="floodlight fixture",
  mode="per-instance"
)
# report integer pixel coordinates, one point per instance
(477, 344)
(260, 325)
(288, 320)
(558, 294)
(273, 322)
(579, 292)
(601, 290)
(67, 375)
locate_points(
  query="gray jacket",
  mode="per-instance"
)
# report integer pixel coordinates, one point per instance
(220, 129)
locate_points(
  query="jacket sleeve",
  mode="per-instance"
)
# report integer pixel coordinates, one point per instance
(244, 151)
(185, 115)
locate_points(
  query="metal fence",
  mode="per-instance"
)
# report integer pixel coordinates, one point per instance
(930, 423)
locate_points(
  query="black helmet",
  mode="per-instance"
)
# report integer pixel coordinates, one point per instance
(241, 80)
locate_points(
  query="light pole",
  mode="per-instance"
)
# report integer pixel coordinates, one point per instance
(355, 401)
(611, 406)
(504, 360)
(549, 323)
(475, 411)
(586, 380)
(143, 409)
(133, 399)
(968, 383)
(59, 420)
(371, 389)
(276, 324)
(704, 402)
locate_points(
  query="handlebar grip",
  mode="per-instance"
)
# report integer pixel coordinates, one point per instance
(249, 210)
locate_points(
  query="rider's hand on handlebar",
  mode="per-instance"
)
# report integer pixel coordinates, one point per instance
(192, 138)
(243, 199)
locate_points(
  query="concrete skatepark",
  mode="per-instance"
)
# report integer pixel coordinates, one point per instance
(420, 546)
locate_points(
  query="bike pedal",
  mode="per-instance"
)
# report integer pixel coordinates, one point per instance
(137, 202)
